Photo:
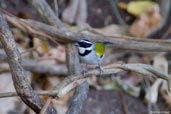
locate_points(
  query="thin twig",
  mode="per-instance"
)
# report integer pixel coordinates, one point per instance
(115, 9)
(125, 108)
(41, 67)
(56, 7)
(46, 13)
(43, 110)
(166, 33)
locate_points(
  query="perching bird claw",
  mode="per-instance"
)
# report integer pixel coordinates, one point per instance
(100, 69)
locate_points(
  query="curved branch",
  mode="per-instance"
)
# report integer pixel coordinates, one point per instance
(68, 36)
(41, 67)
(81, 92)
(21, 84)
(45, 12)
(69, 82)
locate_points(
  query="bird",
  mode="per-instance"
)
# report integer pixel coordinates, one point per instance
(90, 53)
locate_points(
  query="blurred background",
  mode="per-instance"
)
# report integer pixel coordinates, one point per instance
(123, 93)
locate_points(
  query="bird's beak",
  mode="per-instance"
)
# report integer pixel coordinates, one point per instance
(76, 44)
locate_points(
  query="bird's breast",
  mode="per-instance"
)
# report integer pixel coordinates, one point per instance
(90, 58)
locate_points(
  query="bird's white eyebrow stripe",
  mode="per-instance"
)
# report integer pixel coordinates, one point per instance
(86, 41)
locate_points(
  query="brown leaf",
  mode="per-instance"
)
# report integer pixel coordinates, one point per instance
(159, 62)
(57, 53)
(146, 22)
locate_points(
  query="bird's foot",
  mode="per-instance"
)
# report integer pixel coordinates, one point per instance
(100, 70)
(84, 70)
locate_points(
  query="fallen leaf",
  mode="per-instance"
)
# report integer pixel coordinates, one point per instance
(146, 22)
(152, 94)
(57, 54)
(122, 5)
(138, 7)
(161, 62)
(41, 46)
(165, 93)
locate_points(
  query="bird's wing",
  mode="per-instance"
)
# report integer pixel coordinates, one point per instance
(99, 48)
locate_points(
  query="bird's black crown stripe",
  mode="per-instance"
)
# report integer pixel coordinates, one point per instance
(85, 53)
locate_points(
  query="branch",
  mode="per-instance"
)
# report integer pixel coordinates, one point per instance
(68, 36)
(81, 93)
(44, 67)
(46, 13)
(78, 99)
(65, 85)
(21, 84)
(143, 69)
(73, 62)
(41, 67)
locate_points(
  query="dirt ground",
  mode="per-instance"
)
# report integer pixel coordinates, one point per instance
(113, 102)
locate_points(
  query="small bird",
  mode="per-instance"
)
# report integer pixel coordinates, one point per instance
(90, 52)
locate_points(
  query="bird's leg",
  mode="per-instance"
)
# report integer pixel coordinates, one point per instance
(100, 68)
(84, 69)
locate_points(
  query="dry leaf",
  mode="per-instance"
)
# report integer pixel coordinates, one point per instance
(57, 54)
(138, 7)
(159, 62)
(152, 93)
(41, 46)
(146, 22)
(165, 93)
(122, 5)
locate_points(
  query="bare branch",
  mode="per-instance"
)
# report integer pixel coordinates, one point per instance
(45, 11)
(43, 110)
(67, 36)
(143, 69)
(51, 18)
(73, 62)
(81, 93)
(41, 67)
(44, 67)
(78, 99)
(22, 85)
(56, 7)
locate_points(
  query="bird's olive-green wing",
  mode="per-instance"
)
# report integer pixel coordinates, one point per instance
(99, 48)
